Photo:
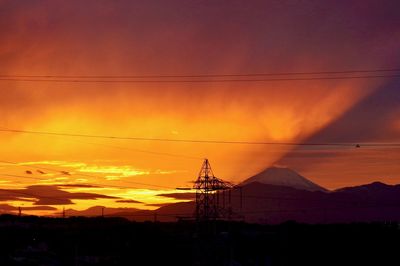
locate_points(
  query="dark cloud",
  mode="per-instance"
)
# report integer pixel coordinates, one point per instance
(49, 195)
(76, 186)
(7, 208)
(128, 201)
(262, 29)
(53, 201)
(65, 172)
(7, 195)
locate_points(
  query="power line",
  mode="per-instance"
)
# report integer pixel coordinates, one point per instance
(200, 140)
(144, 151)
(319, 209)
(201, 75)
(305, 210)
(198, 80)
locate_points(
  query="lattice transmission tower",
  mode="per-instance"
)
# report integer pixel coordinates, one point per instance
(207, 194)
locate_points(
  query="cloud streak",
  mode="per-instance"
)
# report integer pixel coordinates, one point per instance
(48, 195)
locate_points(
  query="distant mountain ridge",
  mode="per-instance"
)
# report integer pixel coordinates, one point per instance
(292, 198)
(284, 177)
(264, 203)
(98, 211)
(371, 187)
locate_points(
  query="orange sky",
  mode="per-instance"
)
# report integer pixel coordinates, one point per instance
(104, 38)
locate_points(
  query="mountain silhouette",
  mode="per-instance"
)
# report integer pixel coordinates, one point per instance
(377, 192)
(284, 177)
(257, 202)
(98, 211)
(263, 203)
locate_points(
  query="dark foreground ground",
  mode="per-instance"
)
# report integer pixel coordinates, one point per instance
(103, 241)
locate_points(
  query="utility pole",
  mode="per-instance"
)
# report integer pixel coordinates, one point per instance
(63, 213)
(102, 212)
(19, 211)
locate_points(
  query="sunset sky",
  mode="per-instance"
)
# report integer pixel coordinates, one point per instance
(117, 38)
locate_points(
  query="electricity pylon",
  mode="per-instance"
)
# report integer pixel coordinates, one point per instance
(207, 194)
